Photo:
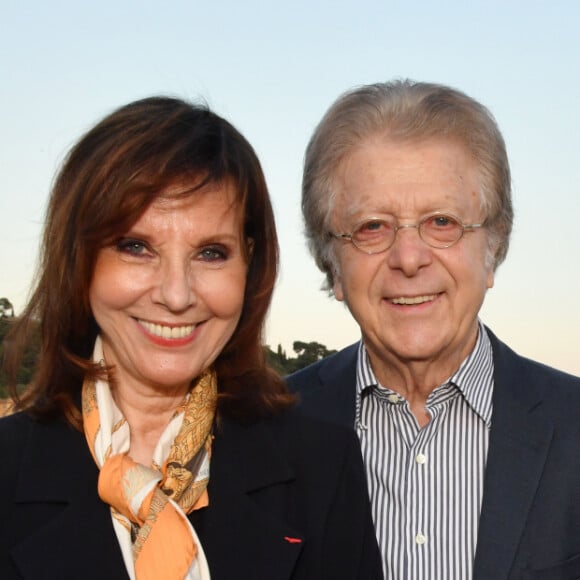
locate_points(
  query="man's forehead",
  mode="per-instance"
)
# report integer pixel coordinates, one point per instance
(387, 176)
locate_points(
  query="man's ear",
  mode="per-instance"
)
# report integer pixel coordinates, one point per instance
(491, 258)
(490, 278)
(337, 288)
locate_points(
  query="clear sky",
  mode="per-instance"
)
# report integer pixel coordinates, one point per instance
(272, 69)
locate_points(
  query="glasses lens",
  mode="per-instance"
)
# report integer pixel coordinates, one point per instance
(440, 230)
(373, 235)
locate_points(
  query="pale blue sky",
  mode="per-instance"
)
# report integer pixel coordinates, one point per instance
(272, 69)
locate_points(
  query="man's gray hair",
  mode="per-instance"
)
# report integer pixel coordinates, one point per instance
(405, 111)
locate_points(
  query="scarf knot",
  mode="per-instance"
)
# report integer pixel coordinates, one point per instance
(149, 504)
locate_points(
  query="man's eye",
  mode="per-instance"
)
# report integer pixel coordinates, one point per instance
(214, 254)
(372, 227)
(441, 222)
(132, 247)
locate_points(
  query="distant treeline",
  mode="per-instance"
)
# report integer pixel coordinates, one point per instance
(30, 356)
(306, 353)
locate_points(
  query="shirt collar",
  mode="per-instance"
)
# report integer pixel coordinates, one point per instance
(473, 378)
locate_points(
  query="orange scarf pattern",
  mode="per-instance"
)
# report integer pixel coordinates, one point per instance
(151, 502)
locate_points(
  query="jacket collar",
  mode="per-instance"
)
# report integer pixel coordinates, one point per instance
(249, 474)
(519, 442)
(338, 379)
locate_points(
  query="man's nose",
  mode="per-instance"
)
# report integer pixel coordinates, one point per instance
(409, 253)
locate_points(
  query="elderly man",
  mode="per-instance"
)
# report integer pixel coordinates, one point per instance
(472, 452)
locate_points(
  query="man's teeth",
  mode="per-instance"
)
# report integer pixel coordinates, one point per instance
(167, 331)
(413, 299)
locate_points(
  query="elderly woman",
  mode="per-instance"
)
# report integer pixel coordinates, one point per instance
(153, 442)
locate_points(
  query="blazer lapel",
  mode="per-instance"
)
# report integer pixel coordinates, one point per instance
(244, 533)
(338, 378)
(73, 535)
(519, 442)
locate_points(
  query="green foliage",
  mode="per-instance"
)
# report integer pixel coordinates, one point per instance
(29, 360)
(4, 327)
(307, 353)
(6, 308)
(277, 360)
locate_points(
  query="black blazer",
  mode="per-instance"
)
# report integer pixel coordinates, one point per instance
(530, 520)
(287, 501)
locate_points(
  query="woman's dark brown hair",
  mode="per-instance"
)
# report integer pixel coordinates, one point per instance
(109, 178)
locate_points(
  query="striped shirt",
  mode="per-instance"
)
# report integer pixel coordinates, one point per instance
(426, 484)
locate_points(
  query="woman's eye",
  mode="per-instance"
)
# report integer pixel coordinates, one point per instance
(213, 254)
(132, 247)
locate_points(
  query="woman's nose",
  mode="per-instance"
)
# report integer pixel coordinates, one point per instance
(175, 288)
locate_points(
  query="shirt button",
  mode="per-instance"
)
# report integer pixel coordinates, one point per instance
(420, 539)
(421, 459)
(393, 398)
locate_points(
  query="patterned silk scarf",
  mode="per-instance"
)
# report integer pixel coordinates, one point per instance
(149, 504)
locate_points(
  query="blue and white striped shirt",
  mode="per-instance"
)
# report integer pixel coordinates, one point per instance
(426, 484)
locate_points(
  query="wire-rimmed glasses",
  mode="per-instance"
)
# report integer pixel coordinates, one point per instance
(375, 235)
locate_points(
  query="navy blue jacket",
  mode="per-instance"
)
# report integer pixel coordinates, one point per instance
(530, 520)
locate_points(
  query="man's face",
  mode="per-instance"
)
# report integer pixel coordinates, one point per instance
(412, 302)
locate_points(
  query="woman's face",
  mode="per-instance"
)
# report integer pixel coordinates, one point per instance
(167, 296)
